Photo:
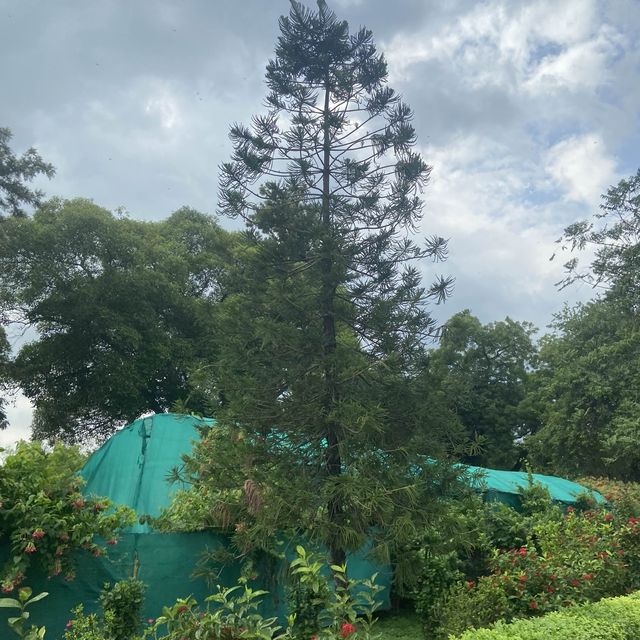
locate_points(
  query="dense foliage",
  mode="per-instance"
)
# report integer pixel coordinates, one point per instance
(609, 619)
(4, 376)
(589, 376)
(484, 371)
(122, 311)
(120, 618)
(45, 519)
(521, 563)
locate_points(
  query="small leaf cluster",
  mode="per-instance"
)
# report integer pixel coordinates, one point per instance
(17, 624)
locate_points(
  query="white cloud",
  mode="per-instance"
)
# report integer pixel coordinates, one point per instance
(503, 43)
(582, 65)
(163, 107)
(581, 167)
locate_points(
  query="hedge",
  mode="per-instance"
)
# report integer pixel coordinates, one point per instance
(608, 619)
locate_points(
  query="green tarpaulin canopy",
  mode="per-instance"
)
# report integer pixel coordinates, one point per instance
(131, 468)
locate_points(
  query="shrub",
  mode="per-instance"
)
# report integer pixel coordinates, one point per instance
(610, 619)
(122, 606)
(86, 627)
(581, 558)
(44, 516)
(320, 611)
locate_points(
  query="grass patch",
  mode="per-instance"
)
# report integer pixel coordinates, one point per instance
(399, 626)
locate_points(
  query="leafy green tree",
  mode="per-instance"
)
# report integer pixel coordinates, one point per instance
(588, 386)
(122, 311)
(327, 314)
(484, 371)
(589, 379)
(15, 172)
(4, 375)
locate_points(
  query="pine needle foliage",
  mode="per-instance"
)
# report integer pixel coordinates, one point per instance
(326, 319)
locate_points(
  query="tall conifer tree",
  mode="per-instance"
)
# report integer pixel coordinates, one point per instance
(326, 315)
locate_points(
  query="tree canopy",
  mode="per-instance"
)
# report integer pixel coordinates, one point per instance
(589, 378)
(121, 309)
(484, 372)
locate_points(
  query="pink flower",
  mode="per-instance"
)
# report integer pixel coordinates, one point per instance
(347, 629)
(150, 621)
(69, 624)
(523, 551)
(37, 534)
(30, 548)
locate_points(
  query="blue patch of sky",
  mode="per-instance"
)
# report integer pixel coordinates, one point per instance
(541, 50)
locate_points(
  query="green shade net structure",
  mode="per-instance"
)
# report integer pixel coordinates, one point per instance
(505, 486)
(131, 468)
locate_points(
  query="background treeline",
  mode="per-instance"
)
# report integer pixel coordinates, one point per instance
(125, 316)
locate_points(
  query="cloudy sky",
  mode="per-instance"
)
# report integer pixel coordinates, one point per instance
(526, 110)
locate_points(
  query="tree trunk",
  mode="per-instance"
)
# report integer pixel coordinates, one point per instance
(327, 298)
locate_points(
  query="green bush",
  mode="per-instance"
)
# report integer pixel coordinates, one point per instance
(610, 619)
(318, 610)
(579, 559)
(45, 518)
(121, 614)
(122, 606)
(624, 497)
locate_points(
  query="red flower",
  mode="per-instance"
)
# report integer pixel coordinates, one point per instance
(608, 517)
(471, 584)
(587, 576)
(182, 608)
(574, 583)
(523, 551)
(522, 578)
(347, 629)
(78, 504)
(550, 589)
(112, 541)
(30, 548)
(533, 604)
(37, 534)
